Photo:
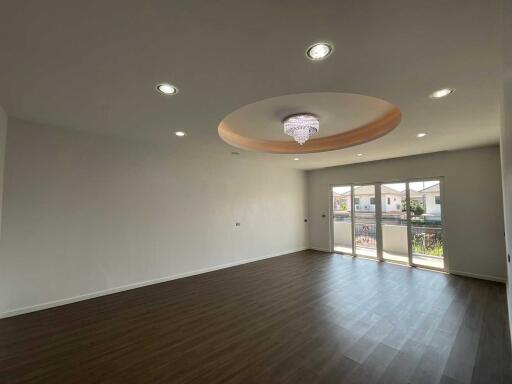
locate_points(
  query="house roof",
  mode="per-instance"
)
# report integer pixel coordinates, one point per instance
(369, 190)
(432, 188)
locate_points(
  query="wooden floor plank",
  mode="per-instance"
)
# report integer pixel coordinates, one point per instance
(308, 317)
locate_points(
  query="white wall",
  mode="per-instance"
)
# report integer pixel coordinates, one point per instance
(3, 134)
(474, 231)
(342, 233)
(364, 203)
(394, 239)
(435, 209)
(85, 213)
(506, 144)
(395, 202)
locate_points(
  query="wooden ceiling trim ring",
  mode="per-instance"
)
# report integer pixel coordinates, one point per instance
(356, 136)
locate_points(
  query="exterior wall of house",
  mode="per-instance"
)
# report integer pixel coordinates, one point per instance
(340, 200)
(365, 204)
(430, 204)
(395, 203)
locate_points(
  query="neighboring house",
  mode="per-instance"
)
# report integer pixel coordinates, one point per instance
(432, 202)
(392, 200)
(364, 200)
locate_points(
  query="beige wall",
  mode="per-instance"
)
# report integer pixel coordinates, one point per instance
(506, 144)
(86, 214)
(3, 135)
(474, 230)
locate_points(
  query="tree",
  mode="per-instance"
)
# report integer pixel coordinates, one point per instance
(415, 207)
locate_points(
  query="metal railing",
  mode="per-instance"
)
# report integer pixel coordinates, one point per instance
(365, 235)
(426, 240)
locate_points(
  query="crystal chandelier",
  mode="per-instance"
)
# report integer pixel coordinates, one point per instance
(301, 126)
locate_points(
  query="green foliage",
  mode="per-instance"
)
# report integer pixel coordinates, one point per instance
(436, 250)
(415, 207)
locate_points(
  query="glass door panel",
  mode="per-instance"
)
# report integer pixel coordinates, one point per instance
(365, 223)
(394, 223)
(426, 224)
(342, 219)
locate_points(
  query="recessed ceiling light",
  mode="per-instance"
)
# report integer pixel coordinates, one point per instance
(296, 159)
(180, 133)
(167, 89)
(441, 93)
(422, 134)
(359, 154)
(319, 51)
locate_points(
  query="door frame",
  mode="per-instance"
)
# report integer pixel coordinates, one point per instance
(378, 219)
(443, 225)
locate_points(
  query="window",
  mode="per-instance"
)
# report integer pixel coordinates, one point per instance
(372, 200)
(438, 200)
(389, 200)
(356, 201)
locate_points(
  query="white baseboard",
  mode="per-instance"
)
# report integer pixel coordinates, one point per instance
(479, 276)
(91, 295)
(320, 249)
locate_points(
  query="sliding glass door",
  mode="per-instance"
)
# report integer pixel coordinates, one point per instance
(394, 223)
(426, 226)
(342, 219)
(397, 222)
(365, 223)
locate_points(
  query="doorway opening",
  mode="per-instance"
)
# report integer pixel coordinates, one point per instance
(398, 222)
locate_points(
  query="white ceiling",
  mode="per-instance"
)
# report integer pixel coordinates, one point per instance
(93, 66)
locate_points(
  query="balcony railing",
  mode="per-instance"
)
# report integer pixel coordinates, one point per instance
(426, 237)
(365, 235)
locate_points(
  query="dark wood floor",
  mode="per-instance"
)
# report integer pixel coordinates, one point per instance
(307, 317)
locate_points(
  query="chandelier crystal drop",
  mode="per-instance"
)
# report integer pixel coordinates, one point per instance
(301, 126)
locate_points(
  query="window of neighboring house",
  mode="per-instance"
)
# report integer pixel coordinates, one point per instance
(398, 206)
(372, 200)
(438, 200)
(356, 200)
(389, 200)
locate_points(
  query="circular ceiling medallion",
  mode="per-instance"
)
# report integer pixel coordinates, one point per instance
(346, 119)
